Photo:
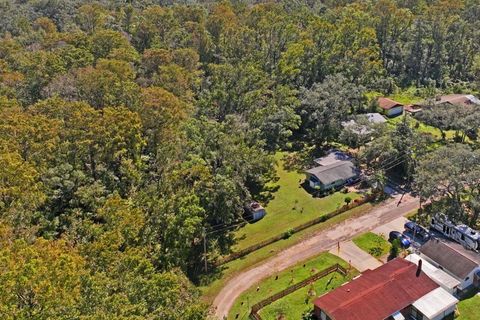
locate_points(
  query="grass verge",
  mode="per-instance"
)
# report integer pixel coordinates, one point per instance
(294, 303)
(373, 244)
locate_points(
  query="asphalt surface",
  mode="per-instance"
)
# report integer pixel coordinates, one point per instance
(316, 244)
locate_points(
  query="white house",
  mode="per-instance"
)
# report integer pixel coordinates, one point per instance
(390, 107)
(460, 263)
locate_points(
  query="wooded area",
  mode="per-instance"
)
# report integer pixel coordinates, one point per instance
(130, 129)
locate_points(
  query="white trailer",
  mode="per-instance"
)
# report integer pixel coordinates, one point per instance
(462, 234)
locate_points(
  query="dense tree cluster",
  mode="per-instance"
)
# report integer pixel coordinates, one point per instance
(129, 129)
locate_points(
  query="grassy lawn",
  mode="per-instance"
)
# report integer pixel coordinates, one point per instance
(469, 309)
(372, 243)
(230, 269)
(424, 128)
(293, 305)
(407, 96)
(291, 206)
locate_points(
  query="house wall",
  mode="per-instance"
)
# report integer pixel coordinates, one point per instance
(468, 281)
(444, 314)
(394, 111)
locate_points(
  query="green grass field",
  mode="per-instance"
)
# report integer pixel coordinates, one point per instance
(373, 244)
(424, 128)
(407, 96)
(293, 305)
(291, 206)
(469, 309)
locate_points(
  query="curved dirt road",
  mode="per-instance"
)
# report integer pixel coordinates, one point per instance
(320, 242)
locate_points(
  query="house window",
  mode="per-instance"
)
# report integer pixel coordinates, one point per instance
(467, 278)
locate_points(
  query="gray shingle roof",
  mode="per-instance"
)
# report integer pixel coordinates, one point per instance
(449, 258)
(341, 170)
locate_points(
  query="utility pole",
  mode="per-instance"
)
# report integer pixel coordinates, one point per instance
(205, 249)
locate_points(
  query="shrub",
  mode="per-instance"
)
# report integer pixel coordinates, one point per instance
(376, 251)
(395, 249)
(287, 234)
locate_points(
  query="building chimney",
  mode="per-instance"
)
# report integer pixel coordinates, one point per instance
(419, 268)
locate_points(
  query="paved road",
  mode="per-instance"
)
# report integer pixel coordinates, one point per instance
(319, 242)
(358, 258)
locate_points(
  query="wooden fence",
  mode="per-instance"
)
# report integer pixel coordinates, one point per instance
(256, 307)
(323, 218)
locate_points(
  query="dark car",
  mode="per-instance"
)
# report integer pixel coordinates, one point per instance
(417, 230)
(404, 241)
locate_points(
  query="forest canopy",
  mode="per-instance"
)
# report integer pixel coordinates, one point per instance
(130, 129)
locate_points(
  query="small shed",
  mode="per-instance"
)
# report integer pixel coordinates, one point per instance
(256, 211)
(391, 107)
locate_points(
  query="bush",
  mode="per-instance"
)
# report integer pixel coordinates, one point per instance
(348, 200)
(395, 249)
(345, 190)
(376, 252)
(287, 234)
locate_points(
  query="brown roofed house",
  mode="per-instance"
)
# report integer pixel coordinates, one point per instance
(391, 107)
(462, 264)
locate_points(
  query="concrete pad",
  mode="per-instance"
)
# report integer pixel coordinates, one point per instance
(358, 258)
(394, 225)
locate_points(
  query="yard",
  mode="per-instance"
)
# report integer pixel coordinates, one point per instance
(469, 309)
(291, 206)
(372, 243)
(293, 305)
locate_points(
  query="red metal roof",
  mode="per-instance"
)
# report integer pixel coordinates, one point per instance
(377, 294)
(388, 104)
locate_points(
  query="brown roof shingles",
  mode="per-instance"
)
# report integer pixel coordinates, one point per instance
(449, 258)
(387, 104)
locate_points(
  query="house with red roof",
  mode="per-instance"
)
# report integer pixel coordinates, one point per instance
(396, 290)
(390, 107)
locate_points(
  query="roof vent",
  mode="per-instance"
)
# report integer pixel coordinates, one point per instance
(419, 268)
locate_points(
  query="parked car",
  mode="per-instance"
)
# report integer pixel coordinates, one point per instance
(404, 241)
(417, 230)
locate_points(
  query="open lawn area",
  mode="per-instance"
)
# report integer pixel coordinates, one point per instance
(407, 96)
(291, 206)
(469, 309)
(423, 128)
(293, 305)
(373, 244)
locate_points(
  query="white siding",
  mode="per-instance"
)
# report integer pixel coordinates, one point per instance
(395, 111)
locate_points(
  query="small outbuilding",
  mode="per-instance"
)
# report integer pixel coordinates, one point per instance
(390, 107)
(256, 211)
